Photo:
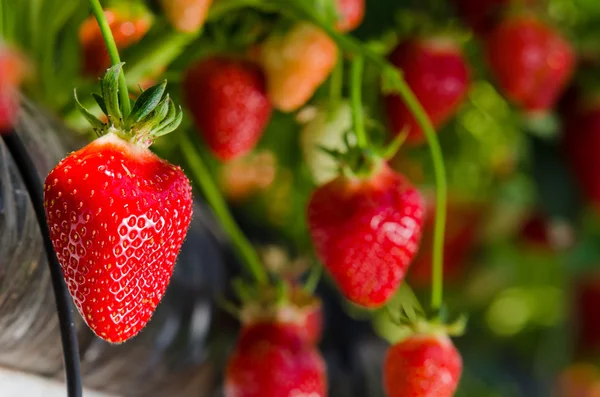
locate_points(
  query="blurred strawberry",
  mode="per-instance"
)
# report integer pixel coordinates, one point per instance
(227, 99)
(186, 16)
(13, 70)
(462, 227)
(543, 234)
(128, 25)
(579, 380)
(531, 61)
(351, 14)
(273, 360)
(241, 178)
(437, 72)
(581, 139)
(482, 15)
(296, 63)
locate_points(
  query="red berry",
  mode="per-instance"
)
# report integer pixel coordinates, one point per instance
(366, 232)
(580, 141)
(351, 14)
(127, 26)
(437, 72)
(422, 366)
(117, 216)
(272, 360)
(13, 70)
(531, 61)
(186, 15)
(227, 99)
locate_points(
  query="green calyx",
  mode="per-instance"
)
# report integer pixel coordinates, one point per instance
(152, 115)
(417, 322)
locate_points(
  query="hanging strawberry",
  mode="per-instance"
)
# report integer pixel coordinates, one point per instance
(530, 60)
(186, 15)
(118, 214)
(227, 99)
(437, 72)
(351, 14)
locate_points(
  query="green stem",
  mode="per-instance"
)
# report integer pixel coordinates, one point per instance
(313, 277)
(113, 53)
(202, 178)
(336, 82)
(358, 117)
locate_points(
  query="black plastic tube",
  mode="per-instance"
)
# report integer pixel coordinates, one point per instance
(62, 297)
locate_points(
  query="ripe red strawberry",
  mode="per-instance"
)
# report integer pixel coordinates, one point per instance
(13, 69)
(186, 15)
(531, 61)
(118, 214)
(272, 360)
(227, 99)
(351, 14)
(366, 231)
(296, 63)
(580, 139)
(437, 72)
(462, 225)
(422, 366)
(128, 25)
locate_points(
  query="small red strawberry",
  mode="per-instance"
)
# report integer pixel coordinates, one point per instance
(580, 142)
(351, 14)
(366, 231)
(437, 72)
(272, 360)
(296, 63)
(423, 365)
(128, 25)
(118, 214)
(186, 15)
(227, 99)
(531, 61)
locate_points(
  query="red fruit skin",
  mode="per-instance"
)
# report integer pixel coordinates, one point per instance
(118, 216)
(228, 101)
(272, 360)
(13, 69)
(462, 225)
(366, 232)
(437, 72)
(531, 61)
(126, 32)
(422, 366)
(351, 14)
(581, 139)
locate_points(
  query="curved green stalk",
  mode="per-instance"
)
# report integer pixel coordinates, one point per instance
(358, 118)
(113, 53)
(202, 178)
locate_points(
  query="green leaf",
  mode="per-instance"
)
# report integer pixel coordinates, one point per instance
(110, 92)
(146, 103)
(100, 102)
(172, 126)
(96, 124)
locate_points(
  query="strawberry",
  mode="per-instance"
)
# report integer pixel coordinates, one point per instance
(366, 231)
(272, 360)
(423, 365)
(580, 139)
(128, 25)
(13, 70)
(186, 16)
(462, 225)
(227, 99)
(296, 63)
(531, 61)
(579, 380)
(351, 14)
(437, 72)
(118, 214)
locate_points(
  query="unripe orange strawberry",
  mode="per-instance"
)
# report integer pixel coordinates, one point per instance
(186, 15)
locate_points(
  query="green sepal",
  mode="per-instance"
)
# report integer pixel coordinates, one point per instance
(170, 127)
(161, 110)
(96, 123)
(110, 93)
(146, 103)
(100, 102)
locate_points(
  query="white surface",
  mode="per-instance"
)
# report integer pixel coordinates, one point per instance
(18, 384)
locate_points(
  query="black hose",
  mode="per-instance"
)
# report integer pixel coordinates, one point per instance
(62, 297)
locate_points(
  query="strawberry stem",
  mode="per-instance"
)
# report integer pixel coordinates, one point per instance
(202, 178)
(113, 53)
(314, 277)
(336, 83)
(358, 118)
